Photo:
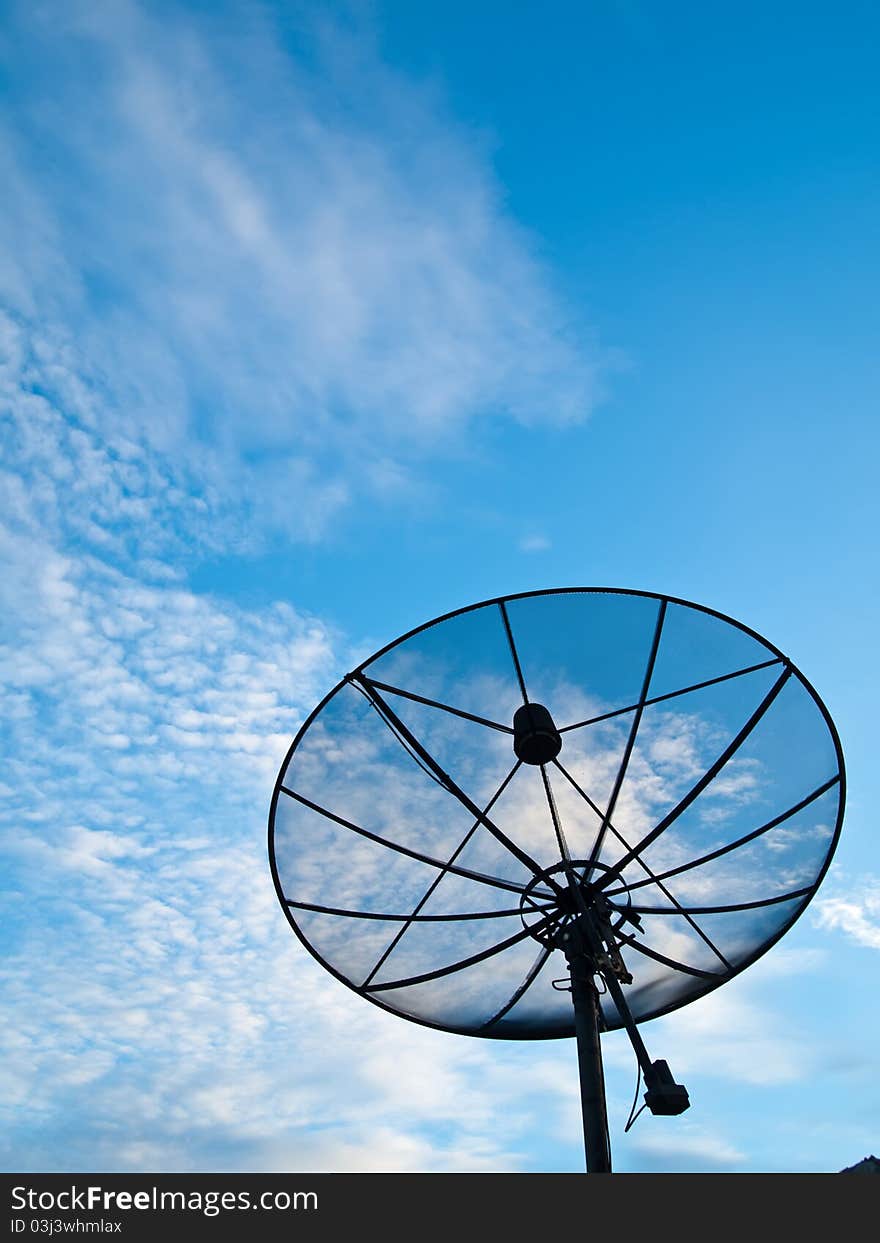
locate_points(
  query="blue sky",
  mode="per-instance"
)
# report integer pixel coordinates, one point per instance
(317, 322)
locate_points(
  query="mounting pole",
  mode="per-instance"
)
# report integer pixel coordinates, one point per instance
(585, 997)
(585, 934)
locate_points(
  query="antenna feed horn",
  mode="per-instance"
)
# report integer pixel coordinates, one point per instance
(664, 1095)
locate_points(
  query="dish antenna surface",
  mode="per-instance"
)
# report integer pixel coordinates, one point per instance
(557, 814)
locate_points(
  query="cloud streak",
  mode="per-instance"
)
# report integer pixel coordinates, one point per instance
(292, 294)
(249, 286)
(166, 1017)
(856, 913)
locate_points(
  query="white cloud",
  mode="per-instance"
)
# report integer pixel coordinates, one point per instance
(205, 336)
(166, 1016)
(692, 1146)
(856, 913)
(296, 297)
(534, 543)
(735, 1034)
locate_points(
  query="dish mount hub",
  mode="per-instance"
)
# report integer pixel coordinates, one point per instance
(536, 740)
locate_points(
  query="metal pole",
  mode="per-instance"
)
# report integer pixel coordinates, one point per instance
(585, 996)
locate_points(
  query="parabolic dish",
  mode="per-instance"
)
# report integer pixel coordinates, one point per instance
(697, 797)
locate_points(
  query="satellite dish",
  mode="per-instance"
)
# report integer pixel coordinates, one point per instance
(556, 814)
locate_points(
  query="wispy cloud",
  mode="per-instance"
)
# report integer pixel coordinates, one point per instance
(693, 1148)
(165, 1015)
(856, 913)
(246, 287)
(271, 283)
(534, 543)
(733, 1033)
